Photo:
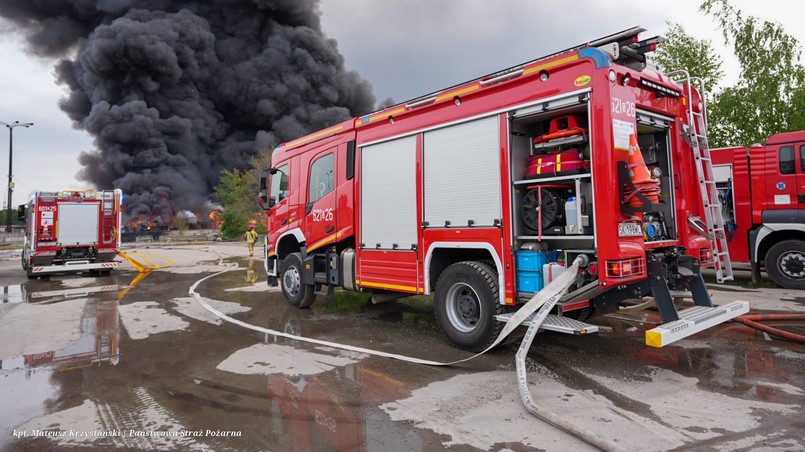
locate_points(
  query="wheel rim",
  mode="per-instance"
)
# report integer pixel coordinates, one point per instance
(792, 264)
(291, 280)
(463, 307)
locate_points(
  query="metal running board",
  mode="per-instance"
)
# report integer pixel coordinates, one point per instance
(555, 323)
(696, 136)
(694, 320)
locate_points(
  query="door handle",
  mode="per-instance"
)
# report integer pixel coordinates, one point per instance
(329, 229)
(284, 221)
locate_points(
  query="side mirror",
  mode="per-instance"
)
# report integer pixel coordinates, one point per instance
(271, 202)
(21, 212)
(262, 196)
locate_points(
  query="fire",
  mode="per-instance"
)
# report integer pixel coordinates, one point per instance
(141, 223)
(215, 219)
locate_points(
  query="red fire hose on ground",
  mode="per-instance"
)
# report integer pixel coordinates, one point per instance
(753, 320)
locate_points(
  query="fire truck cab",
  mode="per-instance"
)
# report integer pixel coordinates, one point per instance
(480, 192)
(763, 194)
(71, 231)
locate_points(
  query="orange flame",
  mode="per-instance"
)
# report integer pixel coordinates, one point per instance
(215, 219)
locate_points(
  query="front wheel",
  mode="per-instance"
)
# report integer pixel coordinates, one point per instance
(785, 264)
(466, 302)
(298, 294)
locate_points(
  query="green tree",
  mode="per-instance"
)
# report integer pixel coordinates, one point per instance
(236, 196)
(237, 193)
(770, 94)
(682, 51)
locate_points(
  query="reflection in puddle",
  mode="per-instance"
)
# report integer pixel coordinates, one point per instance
(328, 411)
(736, 370)
(77, 326)
(80, 333)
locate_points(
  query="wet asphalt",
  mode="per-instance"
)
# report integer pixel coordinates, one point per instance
(133, 361)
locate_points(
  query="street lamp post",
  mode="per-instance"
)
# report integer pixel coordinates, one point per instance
(10, 154)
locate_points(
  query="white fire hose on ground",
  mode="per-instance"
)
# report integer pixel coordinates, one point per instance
(542, 303)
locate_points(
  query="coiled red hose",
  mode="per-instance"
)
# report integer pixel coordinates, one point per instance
(753, 320)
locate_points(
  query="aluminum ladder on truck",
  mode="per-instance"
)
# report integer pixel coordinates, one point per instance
(696, 136)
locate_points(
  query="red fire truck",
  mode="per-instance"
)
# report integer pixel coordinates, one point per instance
(478, 192)
(763, 191)
(71, 231)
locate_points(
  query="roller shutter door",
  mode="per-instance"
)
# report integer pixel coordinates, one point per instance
(388, 194)
(462, 174)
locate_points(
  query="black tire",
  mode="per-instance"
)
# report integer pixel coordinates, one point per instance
(298, 294)
(24, 255)
(465, 303)
(785, 264)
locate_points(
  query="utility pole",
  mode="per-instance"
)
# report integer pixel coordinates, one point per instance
(10, 155)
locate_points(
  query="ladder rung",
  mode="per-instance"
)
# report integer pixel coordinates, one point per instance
(696, 137)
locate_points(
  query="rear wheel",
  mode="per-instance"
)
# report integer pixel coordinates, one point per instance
(297, 294)
(24, 254)
(785, 264)
(466, 302)
(25, 264)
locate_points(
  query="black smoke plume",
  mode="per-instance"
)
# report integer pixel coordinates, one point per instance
(175, 91)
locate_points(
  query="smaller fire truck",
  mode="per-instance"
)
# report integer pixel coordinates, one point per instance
(71, 231)
(763, 191)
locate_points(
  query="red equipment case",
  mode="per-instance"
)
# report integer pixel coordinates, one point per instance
(570, 161)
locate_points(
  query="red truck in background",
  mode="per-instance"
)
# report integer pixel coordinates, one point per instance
(763, 191)
(71, 231)
(470, 193)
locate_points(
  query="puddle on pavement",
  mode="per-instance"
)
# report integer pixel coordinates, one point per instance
(46, 330)
(106, 357)
(147, 357)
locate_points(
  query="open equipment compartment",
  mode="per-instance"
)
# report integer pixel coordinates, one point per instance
(551, 173)
(552, 198)
(655, 146)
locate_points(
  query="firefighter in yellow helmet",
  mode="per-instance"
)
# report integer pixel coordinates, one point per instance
(251, 238)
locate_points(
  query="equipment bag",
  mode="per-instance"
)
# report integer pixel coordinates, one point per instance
(570, 161)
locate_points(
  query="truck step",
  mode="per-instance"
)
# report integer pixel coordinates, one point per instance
(556, 323)
(693, 320)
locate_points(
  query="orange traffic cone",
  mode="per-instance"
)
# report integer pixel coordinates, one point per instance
(641, 178)
(637, 166)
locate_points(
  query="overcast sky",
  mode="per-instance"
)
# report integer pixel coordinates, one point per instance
(404, 48)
